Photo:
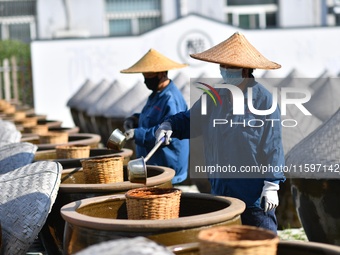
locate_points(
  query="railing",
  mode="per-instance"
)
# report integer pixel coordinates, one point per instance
(15, 81)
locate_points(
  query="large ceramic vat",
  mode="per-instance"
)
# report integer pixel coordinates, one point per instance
(70, 130)
(41, 120)
(94, 220)
(286, 212)
(72, 163)
(73, 139)
(315, 181)
(284, 248)
(50, 123)
(318, 207)
(73, 188)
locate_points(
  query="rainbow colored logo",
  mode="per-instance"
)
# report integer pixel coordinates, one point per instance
(211, 92)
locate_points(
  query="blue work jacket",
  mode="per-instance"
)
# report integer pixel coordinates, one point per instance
(236, 145)
(160, 106)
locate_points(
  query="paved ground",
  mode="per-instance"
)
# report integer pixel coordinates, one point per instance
(293, 234)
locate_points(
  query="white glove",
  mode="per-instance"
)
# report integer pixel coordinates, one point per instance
(269, 197)
(129, 123)
(129, 134)
(164, 130)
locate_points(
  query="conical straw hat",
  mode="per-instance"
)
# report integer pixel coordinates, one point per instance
(236, 51)
(153, 62)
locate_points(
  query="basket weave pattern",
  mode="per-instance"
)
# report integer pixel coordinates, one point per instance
(153, 203)
(18, 115)
(9, 109)
(103, 169)
(4, 104)
(74, 151)
(0, 236)
(237, 240)
(38, 129)
(26, 200)
(54, 138)
(27, 122)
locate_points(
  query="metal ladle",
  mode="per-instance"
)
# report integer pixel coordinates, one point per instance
(137, 167)
(116, 140)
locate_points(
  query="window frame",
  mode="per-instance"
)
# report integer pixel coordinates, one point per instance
(5, 23)
(260, 10)
(134, 16)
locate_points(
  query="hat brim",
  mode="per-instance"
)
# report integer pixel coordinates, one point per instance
(236, 51)
(153, 62)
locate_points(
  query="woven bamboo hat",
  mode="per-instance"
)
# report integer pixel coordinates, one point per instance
(153, 62)
(236, 51)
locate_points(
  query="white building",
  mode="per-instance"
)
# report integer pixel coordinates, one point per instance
(50, 19)
(61, 66)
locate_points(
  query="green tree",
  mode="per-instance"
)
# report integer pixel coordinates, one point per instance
(21, 51)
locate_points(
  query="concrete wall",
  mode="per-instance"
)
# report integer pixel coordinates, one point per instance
(300, 13)
(211, 9)
(169, 11)
(86, 17)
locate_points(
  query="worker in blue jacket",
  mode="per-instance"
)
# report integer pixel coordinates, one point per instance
(245, 140)
(164, 101)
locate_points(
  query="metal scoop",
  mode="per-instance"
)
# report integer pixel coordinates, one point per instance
(137, 167)
(116, 140)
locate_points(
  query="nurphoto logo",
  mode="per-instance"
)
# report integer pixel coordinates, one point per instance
(209, 90)
(238, 101)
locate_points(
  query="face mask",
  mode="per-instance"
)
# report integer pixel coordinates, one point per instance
(231, 76)
(152, 83)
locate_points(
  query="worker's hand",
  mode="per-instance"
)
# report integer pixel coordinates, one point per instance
(164, 130)
(130, 134)
(129, 123)
(269, 197)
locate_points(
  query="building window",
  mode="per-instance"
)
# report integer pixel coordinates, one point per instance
(249, 2)
(251, 14)
(249, 21)
(19, 32)
(336, 12)
(120, 27)
(337, 20)
(132, 17)
(17, 20)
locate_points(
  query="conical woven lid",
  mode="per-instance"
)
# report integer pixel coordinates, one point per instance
(324, 102)
(321, 149)
(15, 155)
(153, 62)
(80, 93)
(27, 196)
(236, 51)
(124, 107)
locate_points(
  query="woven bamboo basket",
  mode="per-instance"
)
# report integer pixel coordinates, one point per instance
(153, 203)
(8, 109)
(103, 169)
(18, 115)
(3, 104)
(27, 122)
(38, 129)
(73, 151)
(53, 138)
(237, 240)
